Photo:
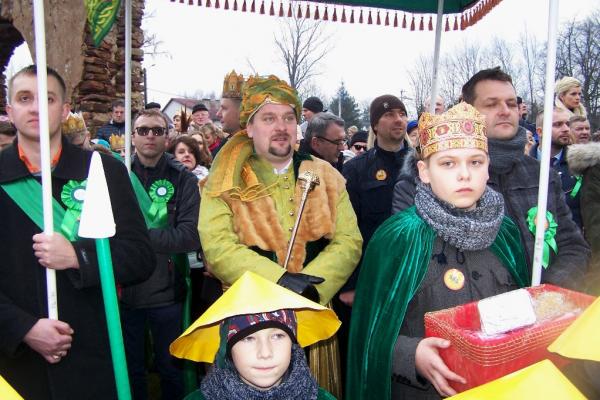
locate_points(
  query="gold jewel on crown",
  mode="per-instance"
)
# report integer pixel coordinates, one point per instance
(232, 85)
(462, 126)
(73, 124)
(117, 142)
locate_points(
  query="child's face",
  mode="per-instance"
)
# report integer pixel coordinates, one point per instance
(263, 357)
(457, 176)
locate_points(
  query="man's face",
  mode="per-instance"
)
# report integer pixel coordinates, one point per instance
(149, 146)
(23, 110)
(200, 117)
(262, 358)
(413, 136)
(561, 134)
(229, 115)
(118, 114)
(456, 176)
(522, 110)
(358, 148)
(498, 101)
(581, 130)
(391, 127)
(273, 131)
(5, 140)
(307, 114)
(331, 144)
(177, 123)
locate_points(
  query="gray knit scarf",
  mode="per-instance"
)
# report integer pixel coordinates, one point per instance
(504, 153)
(475, 229)
(226, 384)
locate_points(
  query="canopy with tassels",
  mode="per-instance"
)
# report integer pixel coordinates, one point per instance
(460, 14)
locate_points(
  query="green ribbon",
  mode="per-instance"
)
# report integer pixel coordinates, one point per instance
(577, 186)
(72, 196)
(160, 192)
(549, 234)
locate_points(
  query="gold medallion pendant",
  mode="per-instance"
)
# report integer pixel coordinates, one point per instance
(380, 175)
(454, 279)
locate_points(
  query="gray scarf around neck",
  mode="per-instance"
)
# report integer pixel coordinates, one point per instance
(474, 229)
(226, 384)
(504, 153)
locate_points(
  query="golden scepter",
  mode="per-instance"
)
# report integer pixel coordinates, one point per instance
(308, 180)
(324, 357)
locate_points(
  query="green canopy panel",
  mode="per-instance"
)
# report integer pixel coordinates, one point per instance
(460, 14)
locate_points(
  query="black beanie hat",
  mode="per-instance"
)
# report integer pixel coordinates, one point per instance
(383, 104)
(360, 136)
(313, 104)
(199, 107)
(153, 105)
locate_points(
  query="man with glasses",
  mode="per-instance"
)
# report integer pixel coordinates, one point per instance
(325, 138)
(169, 198)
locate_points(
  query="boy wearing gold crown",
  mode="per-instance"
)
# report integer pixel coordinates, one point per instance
(255, 333)
(74, 129)
(454, 246)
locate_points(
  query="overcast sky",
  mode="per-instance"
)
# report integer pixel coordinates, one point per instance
(203, 44)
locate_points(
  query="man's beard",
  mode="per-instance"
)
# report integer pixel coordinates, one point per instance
(280, 152)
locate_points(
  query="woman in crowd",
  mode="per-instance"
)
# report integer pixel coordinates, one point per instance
(205, 156)
(568, 96)
(186, 151)
(213, 136)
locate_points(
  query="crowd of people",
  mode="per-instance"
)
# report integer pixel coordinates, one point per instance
(286, 216)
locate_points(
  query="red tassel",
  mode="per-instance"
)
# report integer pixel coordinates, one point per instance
(262, 7)
(190, 2)
(244, 6)
(395, 20)
(462, 22)
(299, 11)
(317, 15)
(325, 16)
(447, 28)
(387, 18)
(253, 7)
(199, 2)
(412, 24)
(430, 23)
(226, 6)
(307, 13)
(404, 22)
(207, 3)
(272, 9)
(370, 20)
(281, 9)
(343, 15)
(421, 24)
(360, 19)
(235, 5)
(289, 11)
(334, 18)
(378, 19)
(216, 3)
(352, 16)
(455, 27)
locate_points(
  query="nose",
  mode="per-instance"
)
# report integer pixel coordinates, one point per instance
(504, 109)
(464, 174)
(279, 124)
(265, 350)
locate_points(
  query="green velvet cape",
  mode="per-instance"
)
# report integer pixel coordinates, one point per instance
(394, 265)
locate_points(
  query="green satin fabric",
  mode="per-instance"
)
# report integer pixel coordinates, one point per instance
(395, 263)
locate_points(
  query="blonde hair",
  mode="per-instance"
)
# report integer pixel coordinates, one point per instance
(561, 87)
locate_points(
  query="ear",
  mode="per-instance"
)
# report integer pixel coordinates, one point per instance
(539, 130)
(65, 111)
(8, 109)
(314, 142)
(249, 131)
(423, 171)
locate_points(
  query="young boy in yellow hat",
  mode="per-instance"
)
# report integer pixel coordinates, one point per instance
(254, 334)
(453, 247)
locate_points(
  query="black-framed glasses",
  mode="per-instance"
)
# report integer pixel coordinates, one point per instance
(156, 130)
(359, 147)
(338, 142)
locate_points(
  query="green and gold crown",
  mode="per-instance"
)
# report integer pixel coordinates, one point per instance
(232, 85)
(117, 142)
(460, 127)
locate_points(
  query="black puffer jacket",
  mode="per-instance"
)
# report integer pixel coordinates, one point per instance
(166, 285)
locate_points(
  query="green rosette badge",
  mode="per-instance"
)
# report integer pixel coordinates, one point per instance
(72, 196)
(160, 193)
(549, 234)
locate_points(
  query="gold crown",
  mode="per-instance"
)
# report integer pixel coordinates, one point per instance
(460, 127)
(74, 124)
(232, 85)
(117, 142)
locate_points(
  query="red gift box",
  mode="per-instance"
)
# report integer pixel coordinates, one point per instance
(480, 358)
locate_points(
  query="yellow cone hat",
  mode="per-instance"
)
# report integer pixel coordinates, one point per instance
(538, 381)
(7, 392)
(581, 340)
(252, 294)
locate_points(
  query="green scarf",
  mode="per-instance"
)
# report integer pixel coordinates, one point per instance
(395, 263)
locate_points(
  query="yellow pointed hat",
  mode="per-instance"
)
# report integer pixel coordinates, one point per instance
(538, 381)
(253, 294)
(581, 339)
(7, 392)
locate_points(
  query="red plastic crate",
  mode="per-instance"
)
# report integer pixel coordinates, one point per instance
(480, 359)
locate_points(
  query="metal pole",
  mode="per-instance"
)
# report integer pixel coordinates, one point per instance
(128, 84)
(546, 144)
(42, 86)
(436, 57)
(145, 87)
